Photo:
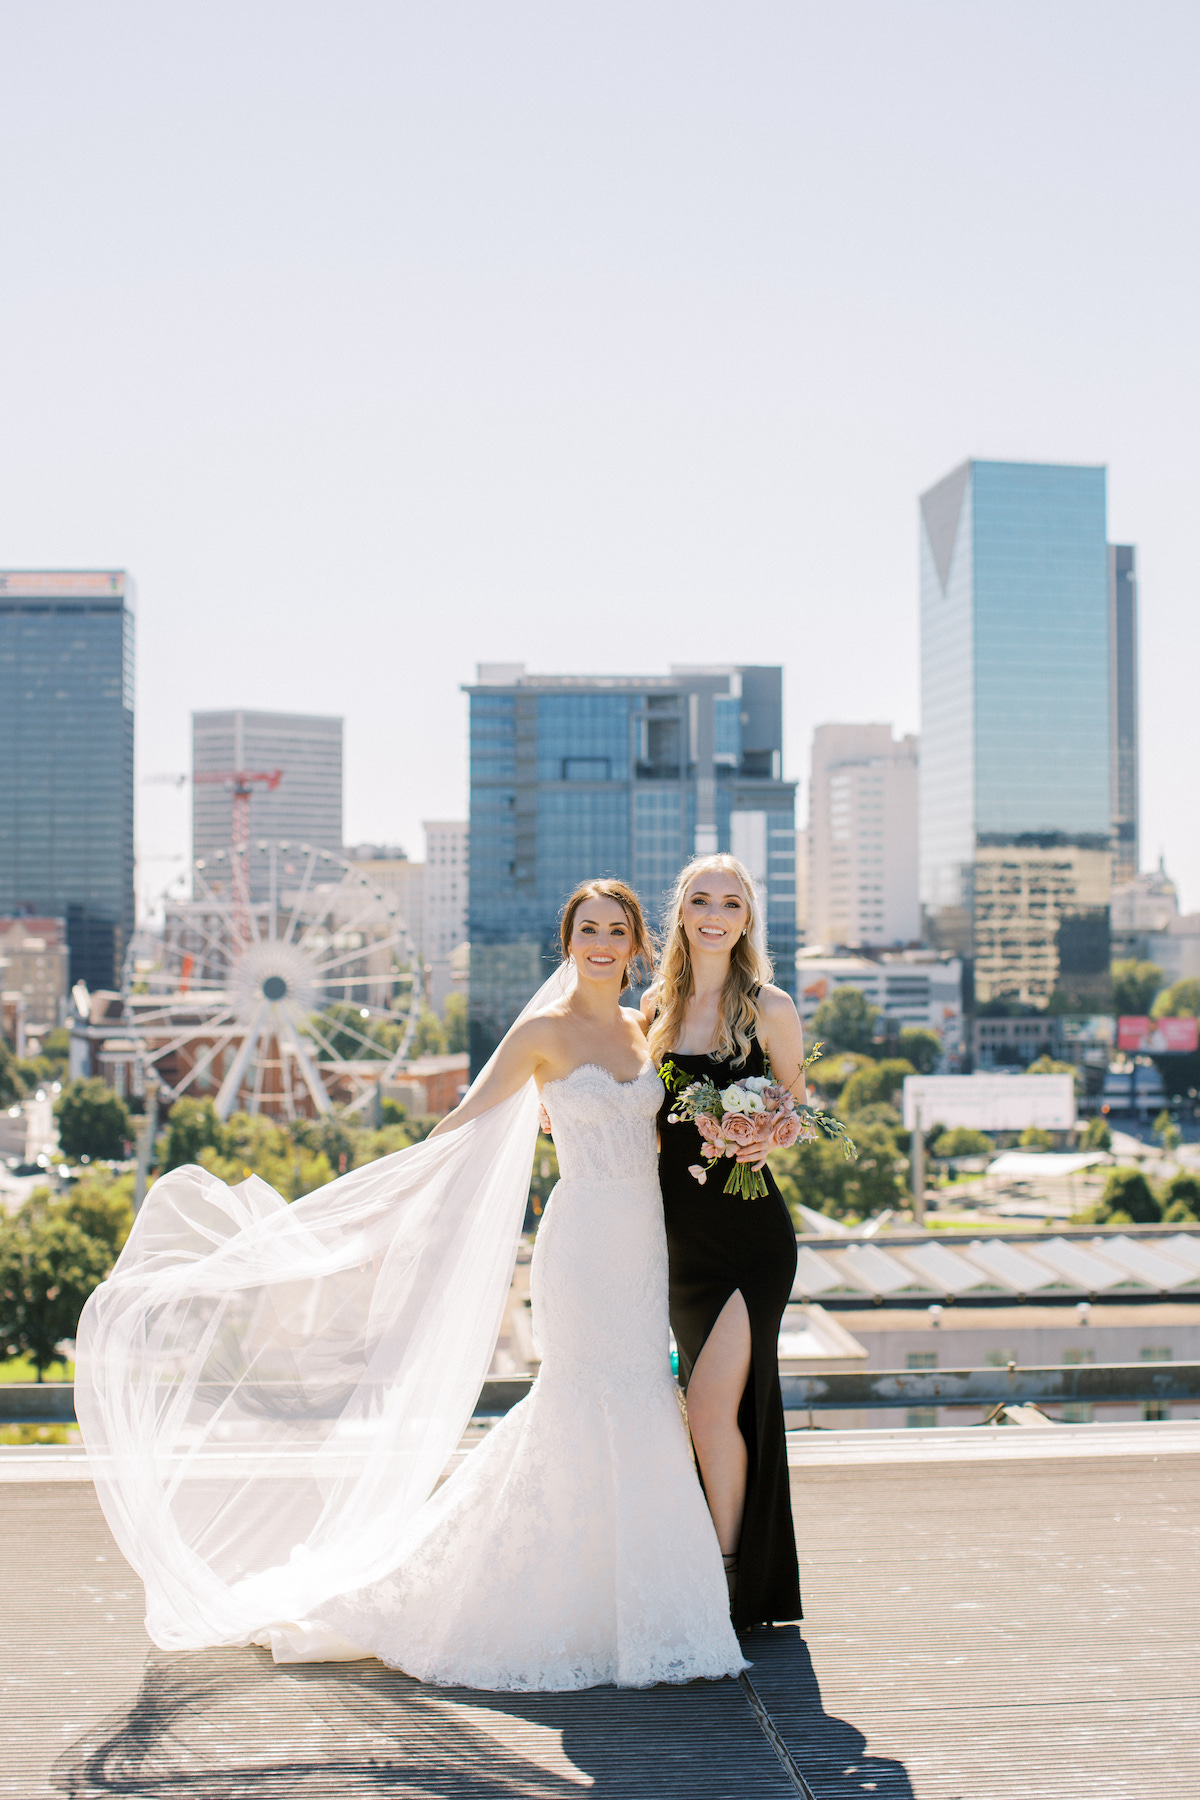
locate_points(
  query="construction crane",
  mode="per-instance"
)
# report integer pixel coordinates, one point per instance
(241, 783)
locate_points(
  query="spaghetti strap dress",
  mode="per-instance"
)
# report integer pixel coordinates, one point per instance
(718, 1243)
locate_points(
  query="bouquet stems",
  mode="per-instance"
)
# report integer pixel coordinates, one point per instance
(746, 1181)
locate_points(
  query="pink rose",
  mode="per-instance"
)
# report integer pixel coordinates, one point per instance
(738, 1130)
(710, 1130)
(786, 1130)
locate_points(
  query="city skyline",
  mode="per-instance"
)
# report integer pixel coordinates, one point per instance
(363, 404)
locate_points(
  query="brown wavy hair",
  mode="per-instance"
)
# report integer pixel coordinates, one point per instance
(607, 888)
(749, 968)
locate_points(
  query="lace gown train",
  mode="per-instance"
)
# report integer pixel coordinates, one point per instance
(574, 1546)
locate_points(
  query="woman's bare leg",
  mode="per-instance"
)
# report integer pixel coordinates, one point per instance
(714, 1394)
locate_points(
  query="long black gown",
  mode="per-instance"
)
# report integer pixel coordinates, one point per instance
(718, 1243)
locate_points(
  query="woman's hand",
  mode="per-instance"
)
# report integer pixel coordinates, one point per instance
(754, 1154)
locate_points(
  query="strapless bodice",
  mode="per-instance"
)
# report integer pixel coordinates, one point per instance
(604, 1129)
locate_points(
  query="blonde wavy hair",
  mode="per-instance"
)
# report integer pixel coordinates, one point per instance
(749, 968)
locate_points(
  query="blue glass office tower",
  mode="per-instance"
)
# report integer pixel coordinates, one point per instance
(66, 759)
(1016, 802)
(578, 775)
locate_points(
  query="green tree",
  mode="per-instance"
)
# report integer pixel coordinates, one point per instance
(1034, 1138)
(1046, 1065)
(56, 1048)
(48, 1267)
(878, 1086)
(818, 1175)
(348, 1034)
(1096, 1135)
(329, 1136)
(454, 1017)
(845, 1021)
(1167, 1132)
(429, 1039)
(1181, 1199)
(1128, 1198)
(279, 1154)
(1182, 1001)
(921, 1047)
(102, 1207)
(12, 1085)
(92, 1121)
(879, 1113)
(831, 1072)
(369, 1146)
(193, 1126)
(1134, 985)
(963, 1141)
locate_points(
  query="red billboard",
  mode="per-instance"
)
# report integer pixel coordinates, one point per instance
(1158, 1036)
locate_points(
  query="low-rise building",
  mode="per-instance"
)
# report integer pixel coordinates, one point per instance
(1041, 1299)
(35, 964)
(1148, 926)
(910, 987)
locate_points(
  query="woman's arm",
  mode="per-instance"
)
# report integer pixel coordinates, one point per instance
(521, 1055)
(782, 1037)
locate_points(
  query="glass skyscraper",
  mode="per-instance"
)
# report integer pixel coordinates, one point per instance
(1123, 596)
(66, 759)
(1016, 778)
(578, 775)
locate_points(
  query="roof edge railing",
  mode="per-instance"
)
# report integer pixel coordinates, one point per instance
(842, 1390)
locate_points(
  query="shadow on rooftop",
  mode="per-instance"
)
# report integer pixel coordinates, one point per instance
(224, 1724)
(830, 1752)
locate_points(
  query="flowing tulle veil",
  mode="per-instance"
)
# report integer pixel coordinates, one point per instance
(268, 1392)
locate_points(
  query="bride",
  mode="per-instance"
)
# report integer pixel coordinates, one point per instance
(269, 1393)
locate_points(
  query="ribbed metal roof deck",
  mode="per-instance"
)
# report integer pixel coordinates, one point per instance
(923, 1268)
(983, 1627)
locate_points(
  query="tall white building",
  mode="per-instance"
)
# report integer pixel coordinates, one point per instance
(446, 871)
(306, 806)
(389, 869)
(862, 837)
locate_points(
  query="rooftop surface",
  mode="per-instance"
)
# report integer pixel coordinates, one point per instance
(980, 1625)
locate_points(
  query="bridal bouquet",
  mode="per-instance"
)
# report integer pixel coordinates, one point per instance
(756, 1112)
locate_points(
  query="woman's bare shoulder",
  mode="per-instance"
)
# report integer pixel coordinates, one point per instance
(540, 1034)
(774, 1004)
(649, 1005)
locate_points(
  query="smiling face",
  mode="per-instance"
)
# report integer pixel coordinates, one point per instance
(601, 941)
(715, 913)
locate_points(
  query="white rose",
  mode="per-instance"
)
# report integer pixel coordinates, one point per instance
(754, 1084)
(737, 1099)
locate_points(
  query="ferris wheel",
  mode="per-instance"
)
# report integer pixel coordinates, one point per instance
(299, 1002)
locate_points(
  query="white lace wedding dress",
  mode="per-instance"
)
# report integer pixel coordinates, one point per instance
(574, 1546)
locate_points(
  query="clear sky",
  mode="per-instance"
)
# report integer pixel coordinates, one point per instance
(377, 339)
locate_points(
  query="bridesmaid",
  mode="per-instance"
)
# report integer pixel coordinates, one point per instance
(713, 1011)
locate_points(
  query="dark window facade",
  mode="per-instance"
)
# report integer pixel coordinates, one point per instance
(66, 760)
(574, 776)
